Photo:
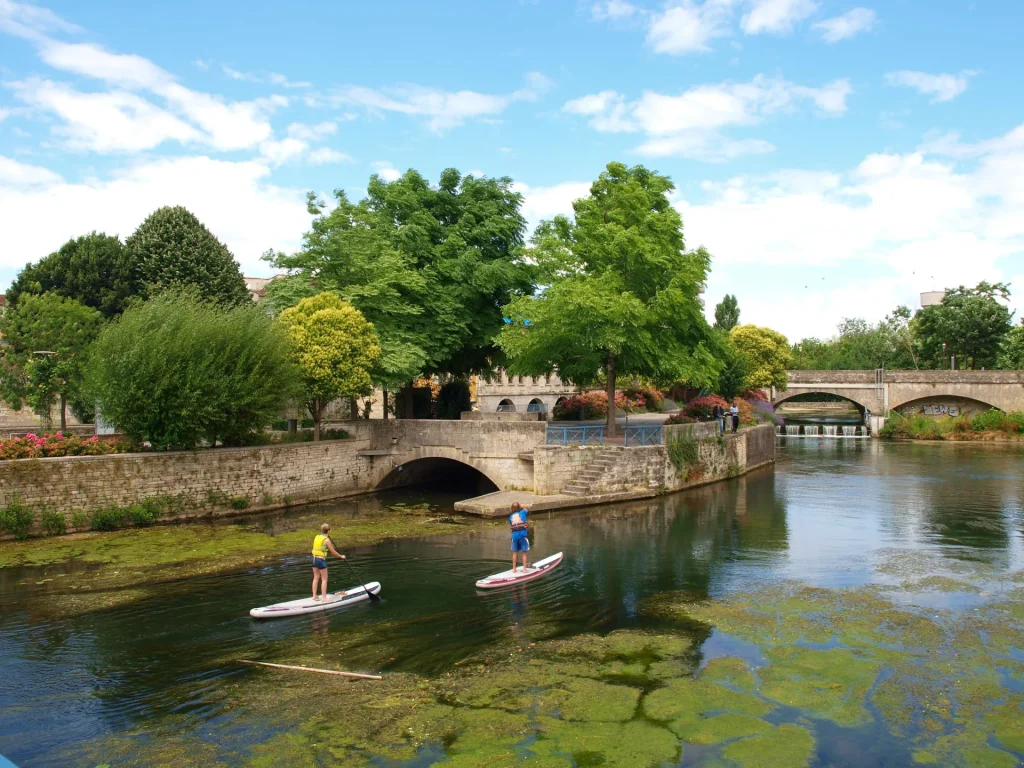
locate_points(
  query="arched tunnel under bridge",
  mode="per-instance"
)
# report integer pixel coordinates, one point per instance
(439, 474)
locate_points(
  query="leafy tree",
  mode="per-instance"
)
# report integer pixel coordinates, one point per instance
(179, 370)
(969, 324)
(92, 269)
(1011, 353)
(732, 380)
(172, 249)
(861, 346)
(429, 266)
(335, 349)
(727, 313)
(622, 297)
(767, 354)
(46, 340)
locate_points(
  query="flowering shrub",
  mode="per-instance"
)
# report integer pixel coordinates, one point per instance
(680, 418)
(753, 396)
(746, 410)
(648, 399)
(595, 406)
(33, 446)
(703, 408)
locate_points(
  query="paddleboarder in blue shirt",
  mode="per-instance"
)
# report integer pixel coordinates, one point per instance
(520, 541)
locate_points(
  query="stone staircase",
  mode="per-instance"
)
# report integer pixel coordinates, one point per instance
(588, 482)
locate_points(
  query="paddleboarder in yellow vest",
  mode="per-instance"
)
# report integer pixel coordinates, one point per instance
(322, 544)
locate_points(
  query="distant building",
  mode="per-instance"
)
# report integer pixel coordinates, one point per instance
(931, 298)
(257, 286)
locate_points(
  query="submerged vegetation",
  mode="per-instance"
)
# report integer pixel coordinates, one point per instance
(989, 425)
(933, 687)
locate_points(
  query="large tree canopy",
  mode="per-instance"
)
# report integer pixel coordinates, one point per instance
(172, 249)
(92, 269)
(621, 297)
(335, 349)
(1011, 353)
(969, 324)
(429, 266)
(727, 313)
(858, 345)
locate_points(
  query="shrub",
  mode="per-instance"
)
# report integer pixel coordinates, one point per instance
(142, 514)
(79, 519)
(684, 453)
(109, 518)
(703, 408)
(680, 418)
(746, 412)
(453, 399)
(648, 399)
(594, 405)
(239, 503)
(53, 522)
(33, 446)
(16, 518)
(177, 371)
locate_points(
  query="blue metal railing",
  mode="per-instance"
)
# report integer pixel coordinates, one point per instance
(637, 436)
(575, 435)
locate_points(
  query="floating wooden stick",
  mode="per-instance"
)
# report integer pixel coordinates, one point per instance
(312, 669)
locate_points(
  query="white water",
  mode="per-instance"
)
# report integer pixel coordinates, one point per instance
(830, 430)
(793, 430)
(849, 431)
(809, 430)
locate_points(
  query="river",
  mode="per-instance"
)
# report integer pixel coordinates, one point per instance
(829, 515)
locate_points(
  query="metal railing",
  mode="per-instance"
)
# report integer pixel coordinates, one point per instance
(574, 435)
(639, 436)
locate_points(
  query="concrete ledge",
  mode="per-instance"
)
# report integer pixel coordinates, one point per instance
(499, 504)
(501, 416)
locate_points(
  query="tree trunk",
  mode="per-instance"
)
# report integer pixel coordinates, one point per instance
(611, 395)
(384, 392)
(354, 412)
(316, 410)
(63, 413)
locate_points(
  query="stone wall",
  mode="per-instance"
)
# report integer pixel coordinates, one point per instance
(500, 416)
(649, 469)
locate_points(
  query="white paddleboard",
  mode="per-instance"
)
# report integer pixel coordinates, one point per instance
(309, 605)
(535, 571)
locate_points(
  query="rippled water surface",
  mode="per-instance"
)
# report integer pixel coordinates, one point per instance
(828, 515)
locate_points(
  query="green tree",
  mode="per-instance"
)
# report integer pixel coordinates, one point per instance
(727, 313)
(46, 339)
(969, 325)
(1011, 353)
(621, 296)
(767, 354)
(453, 399)
(859, 345)
(179, 370)
(172, 249)
(335, 349)
(732, 380)
(429, 266)
(92, 269)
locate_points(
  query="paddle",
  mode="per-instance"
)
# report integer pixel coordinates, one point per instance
(373, 597)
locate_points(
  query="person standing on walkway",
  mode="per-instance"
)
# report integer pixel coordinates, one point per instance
(734, 411)
(719, 415)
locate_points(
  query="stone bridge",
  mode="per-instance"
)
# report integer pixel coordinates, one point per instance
(880, 392)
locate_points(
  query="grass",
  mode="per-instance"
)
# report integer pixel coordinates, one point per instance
(981, 426)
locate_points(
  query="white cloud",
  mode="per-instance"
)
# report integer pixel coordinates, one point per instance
(273, 78)
(613, 10)
(17, 174)
(123, 70)
(547, 202)
(308, 132)
(443, 109)
(31, 21)
(776, 16)
(939, 87)
(298, 145)
(278, 79)
(326, 156)
(281, 151)
(118, 121)
(843, 27)
(385, 170)
(884, 228)
(234, 200)
(202, 65)
(687, 124)
(688, 26)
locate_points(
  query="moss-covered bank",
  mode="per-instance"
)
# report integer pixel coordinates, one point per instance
(857, 667)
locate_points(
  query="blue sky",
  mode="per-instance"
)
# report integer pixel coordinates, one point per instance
(835, 158)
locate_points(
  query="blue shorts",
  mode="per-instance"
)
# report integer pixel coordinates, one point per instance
(320, 562)
(521, 545)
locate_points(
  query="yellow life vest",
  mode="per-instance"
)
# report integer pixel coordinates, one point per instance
(320, 545)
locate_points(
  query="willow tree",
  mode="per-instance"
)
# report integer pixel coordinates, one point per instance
(622, 296)
(335, 349)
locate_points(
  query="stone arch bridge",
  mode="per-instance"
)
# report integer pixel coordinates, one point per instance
(879, 392)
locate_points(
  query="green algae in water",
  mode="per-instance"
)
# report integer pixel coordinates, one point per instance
(788, 746)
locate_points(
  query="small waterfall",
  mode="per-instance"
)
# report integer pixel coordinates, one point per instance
(778, 429)
(792, 429)
(809, 430)
(849, 431)
(830, 431)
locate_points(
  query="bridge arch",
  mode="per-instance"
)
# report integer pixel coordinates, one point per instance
(506, 405)
(445, 465)
(781, 398)
(942, 403)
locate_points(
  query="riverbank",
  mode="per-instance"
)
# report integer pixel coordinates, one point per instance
(989, 426)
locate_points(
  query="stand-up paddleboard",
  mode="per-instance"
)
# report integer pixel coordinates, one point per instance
(309, 605)
(535, 571)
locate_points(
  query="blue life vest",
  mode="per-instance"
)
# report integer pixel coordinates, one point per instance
(520, 531)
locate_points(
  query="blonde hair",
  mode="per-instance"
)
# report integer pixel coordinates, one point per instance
(325, 528)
